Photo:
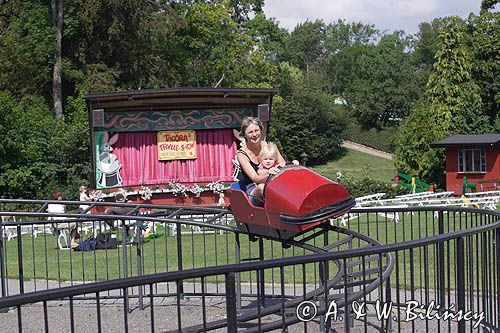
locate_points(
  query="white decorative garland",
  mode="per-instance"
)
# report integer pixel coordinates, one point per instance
(196, 190)
(145, 193)
(177, 189)
(216, 187)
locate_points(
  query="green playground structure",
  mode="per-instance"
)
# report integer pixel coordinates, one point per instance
(468, 185)
(411, 183)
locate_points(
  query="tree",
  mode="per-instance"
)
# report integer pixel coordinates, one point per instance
(305, 45)
(40, 153)
(484, 43)
(414, 154)
(344, 44)
(452, 105)
(267, 33)
(425, 47)
(26, 49)
(451, 90)
(342, 34)
(57, 19)
(381, 84)
(241, 9)
(217, 50)
(306, 119)
(486, 5)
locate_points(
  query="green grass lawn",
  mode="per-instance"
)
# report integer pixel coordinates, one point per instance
(357, 164)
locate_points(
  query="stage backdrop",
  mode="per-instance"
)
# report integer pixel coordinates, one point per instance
(161, 136)
(135, 157)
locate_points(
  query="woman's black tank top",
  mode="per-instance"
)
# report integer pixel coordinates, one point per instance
(242, 176)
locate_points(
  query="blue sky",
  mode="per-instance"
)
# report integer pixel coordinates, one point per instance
(384, 14)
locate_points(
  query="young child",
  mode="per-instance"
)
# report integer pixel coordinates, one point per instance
(268, 157)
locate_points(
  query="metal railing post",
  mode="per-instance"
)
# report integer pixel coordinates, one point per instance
(441, 266)
(262, 282)
(2, 265)
(460, 281)
(497, 248)
(125, 264)
(232, 324)
(138, 237)
(20, 259)
(238, 275)
(179, 257)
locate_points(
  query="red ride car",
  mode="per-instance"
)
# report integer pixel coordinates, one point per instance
(296, 200)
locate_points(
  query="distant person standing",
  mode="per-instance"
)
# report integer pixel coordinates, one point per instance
(56, 208)
(84, 197)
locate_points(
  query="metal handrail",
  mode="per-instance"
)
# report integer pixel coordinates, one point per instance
(249, 266)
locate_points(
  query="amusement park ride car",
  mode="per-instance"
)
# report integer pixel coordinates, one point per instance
(296, 200)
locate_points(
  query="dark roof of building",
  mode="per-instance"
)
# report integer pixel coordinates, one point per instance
(180, 98)
(468, 141)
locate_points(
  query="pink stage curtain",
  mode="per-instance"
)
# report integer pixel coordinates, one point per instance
(138, 154)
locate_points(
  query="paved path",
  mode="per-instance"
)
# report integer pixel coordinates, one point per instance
(112, 314)
(366, 149)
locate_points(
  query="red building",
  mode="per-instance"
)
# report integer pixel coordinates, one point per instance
(476, 157)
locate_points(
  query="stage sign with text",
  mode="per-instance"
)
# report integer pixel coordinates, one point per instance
(176, 145)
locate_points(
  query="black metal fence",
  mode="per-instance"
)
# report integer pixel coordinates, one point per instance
(433, 269)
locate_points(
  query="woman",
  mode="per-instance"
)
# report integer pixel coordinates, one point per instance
(56, 208)
(249, 159)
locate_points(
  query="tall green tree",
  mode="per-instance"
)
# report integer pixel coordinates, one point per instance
(484, 43)
(486, 5)
(57, 20)
(451, 90)
(453, 105)
(305, 45)
(425, 48)
(218, 51)
(414, 154)
(26, 48)
(381, 85)
(345, 43)
(269, 34)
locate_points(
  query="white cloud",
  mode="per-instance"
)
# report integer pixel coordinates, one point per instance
(384, 14)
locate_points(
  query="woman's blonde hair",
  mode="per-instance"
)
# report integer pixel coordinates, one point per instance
(247, 121)
(269, 150)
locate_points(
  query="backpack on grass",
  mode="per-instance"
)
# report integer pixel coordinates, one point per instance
(105, 241)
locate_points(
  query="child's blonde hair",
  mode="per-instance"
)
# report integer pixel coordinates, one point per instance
(269, 150)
